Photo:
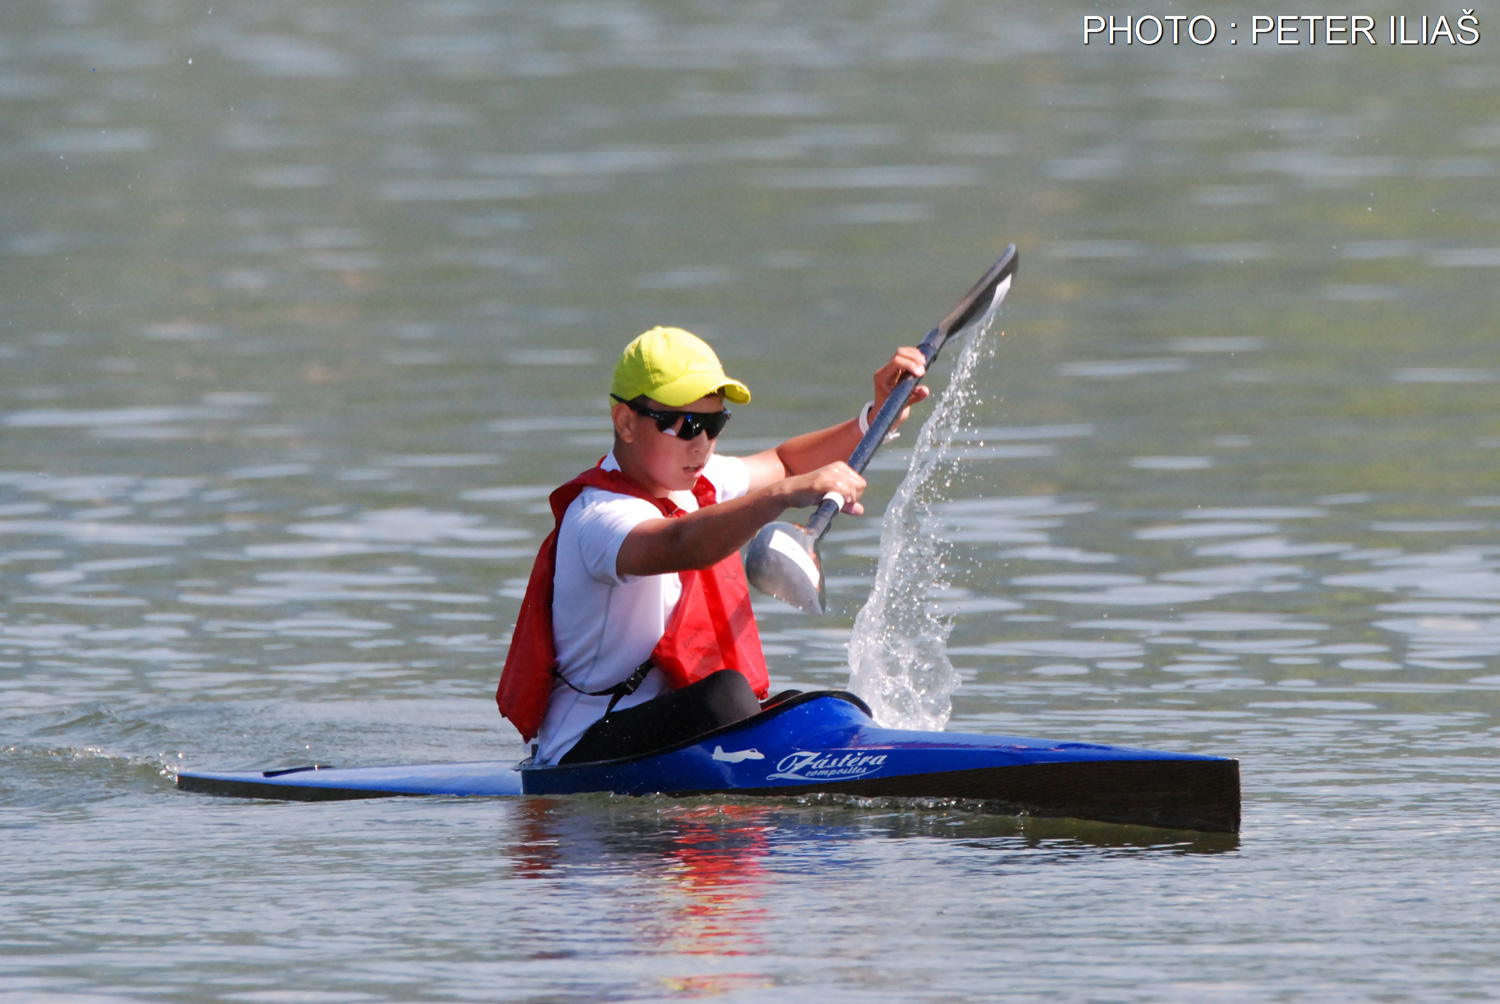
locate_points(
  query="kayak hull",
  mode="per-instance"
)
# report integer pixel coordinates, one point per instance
(823, 743)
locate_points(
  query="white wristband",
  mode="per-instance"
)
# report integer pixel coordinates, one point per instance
(864, 422)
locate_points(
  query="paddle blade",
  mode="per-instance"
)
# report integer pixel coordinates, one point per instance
(783, 562)
(984, 297)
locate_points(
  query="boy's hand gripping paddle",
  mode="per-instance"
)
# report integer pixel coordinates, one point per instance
(783, 558)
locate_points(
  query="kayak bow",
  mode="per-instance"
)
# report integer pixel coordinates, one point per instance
(826, 743)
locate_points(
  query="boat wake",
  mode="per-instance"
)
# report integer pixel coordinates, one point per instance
(898, 650)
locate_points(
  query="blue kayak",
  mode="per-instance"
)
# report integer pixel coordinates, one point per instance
(823, 742)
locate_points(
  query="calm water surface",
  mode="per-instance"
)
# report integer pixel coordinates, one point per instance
(308, 305)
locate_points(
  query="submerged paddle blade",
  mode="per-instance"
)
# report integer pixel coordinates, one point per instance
(783, 561)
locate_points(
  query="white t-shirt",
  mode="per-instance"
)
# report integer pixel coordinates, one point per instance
(605, 624)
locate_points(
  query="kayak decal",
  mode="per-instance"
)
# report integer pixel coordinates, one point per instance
(735, 756)
(815, 766)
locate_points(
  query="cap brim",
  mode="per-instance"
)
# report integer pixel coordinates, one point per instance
(692, 386)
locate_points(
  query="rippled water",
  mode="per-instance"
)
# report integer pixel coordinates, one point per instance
(309, 305)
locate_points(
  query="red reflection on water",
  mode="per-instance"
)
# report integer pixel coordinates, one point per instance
(703, 863)
(715, 875)
(716, 871)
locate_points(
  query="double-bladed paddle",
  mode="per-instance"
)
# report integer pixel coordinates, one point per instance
(783, 558)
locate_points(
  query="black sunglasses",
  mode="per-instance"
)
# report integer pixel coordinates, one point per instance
(693, 422)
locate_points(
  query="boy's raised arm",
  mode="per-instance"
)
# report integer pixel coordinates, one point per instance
(812, 450)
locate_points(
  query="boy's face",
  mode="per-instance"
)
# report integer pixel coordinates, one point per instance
(666, 461)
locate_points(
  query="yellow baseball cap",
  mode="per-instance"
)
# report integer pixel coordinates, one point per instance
(674, 367)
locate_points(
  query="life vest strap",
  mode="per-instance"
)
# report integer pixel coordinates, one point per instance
(621, 690)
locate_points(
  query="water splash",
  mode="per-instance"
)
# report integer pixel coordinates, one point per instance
(898, 650)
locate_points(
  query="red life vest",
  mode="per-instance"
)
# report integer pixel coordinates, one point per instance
(712, 627)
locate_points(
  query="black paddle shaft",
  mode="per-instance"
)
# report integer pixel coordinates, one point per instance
(970, 308)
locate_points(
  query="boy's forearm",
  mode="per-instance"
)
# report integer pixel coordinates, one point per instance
(812, 450)
(802, 454)
(701, 538)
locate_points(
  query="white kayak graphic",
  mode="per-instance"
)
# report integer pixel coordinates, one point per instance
(737, 755)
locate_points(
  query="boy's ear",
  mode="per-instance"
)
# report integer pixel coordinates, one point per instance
(623, 419)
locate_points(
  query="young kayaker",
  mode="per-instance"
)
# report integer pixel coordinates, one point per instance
(636, 629)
